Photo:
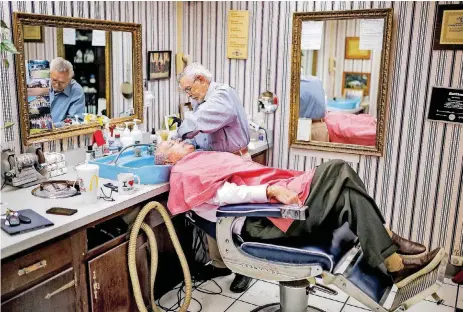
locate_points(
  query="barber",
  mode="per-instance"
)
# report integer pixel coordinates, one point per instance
(312, 105)
(67, 97)
(219, 113)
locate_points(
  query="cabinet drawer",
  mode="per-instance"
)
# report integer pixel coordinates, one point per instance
(27, 269)
(55, 294)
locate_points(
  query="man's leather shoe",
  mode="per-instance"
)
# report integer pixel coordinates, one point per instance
(240, 283)
(416, 267)
(211, 272)
(407, 247)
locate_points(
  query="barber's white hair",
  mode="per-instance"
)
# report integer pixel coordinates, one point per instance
(194, 70)
(61, 65)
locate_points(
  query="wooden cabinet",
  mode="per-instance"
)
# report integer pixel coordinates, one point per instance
(26, 270)
(260, 158)
(55, 294)
(65, 275)
(109, 280)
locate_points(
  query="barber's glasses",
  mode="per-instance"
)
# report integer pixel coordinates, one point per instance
(57, 82)
(187, 90)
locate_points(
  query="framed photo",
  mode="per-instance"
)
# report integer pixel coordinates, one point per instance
(354, 80)
(159, 64)
(353, 94)
(353, 51)
(448, 30)
(33, 33)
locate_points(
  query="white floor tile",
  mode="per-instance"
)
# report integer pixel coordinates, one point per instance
(356, 303)
(448, 293)
(460, 298)
(426, 306)
(169, 299)
(348, 308)
(324, 304)
(224, 283)
(449, 281)
(262, 293)
(341, 296)
(210, 303)
(239, 306)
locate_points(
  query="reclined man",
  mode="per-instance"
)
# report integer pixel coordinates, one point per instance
(334, 193)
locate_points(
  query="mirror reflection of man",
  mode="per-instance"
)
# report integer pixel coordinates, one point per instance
(67, 97)
(219, 114)
(312, 105)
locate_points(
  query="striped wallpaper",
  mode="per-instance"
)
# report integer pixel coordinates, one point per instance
(418, 182)
(159, 28)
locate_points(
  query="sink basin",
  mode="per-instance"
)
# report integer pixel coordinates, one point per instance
(143, 167)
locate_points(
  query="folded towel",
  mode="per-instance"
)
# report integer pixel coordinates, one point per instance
(53, 158)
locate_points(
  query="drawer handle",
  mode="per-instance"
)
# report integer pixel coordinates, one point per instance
(33, 268)
(63, 288)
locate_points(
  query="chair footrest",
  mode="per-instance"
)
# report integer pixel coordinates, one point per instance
(420, 288)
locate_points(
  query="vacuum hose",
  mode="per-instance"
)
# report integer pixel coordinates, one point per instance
(154, 257)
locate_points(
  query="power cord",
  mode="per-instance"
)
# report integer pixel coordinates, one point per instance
(268, 144)
(197, 282)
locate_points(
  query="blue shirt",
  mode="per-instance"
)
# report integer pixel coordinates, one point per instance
(71, 101)
(312, 98)
(222, 117)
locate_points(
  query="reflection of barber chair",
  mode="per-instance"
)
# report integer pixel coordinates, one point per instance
(337, 259)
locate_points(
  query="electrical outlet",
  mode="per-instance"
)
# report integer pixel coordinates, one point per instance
(456, 260)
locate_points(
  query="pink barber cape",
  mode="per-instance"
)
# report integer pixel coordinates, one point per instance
(196, 178)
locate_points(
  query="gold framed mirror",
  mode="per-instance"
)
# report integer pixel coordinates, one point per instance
(339, 80)
(106, 59)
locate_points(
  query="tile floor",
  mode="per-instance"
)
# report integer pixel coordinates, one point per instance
(263, 292)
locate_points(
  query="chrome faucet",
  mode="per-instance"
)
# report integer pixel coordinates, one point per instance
(127, 147)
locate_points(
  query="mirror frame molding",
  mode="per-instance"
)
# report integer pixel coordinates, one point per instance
(20, 19)
(383, 85)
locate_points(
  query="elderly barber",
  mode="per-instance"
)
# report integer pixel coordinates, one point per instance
(219, 113)
(66, 95)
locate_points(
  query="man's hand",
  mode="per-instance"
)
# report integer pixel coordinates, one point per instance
(283, 195)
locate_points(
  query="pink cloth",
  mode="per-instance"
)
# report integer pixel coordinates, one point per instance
(196, 178)
(351, 129)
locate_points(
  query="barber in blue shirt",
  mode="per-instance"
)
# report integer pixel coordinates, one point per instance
(66, 95)
(312, 105)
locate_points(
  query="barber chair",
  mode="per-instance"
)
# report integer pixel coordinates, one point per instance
(338, 260)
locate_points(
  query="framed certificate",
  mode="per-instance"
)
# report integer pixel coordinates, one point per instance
(33, 33)
(448, 31)
(353, 49)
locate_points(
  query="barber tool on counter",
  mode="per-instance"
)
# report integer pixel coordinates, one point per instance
(21, 170)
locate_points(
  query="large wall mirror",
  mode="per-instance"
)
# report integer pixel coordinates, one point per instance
(339, 80)
(107, 63)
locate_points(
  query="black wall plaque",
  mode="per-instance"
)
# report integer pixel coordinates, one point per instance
(446, 105)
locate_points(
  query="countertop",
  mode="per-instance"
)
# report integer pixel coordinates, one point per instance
(21, 198)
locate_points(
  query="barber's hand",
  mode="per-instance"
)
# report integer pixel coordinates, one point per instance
(283, 195)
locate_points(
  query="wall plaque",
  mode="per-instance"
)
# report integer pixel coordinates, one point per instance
(238, 34)
(446, 105)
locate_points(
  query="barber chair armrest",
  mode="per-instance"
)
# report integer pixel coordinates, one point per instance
(294, 212)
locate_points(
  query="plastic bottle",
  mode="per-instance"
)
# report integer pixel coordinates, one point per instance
(153, 137)
(126, 132)
(136, 133)
(117, 145)
(89, 154)
(127, 140)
